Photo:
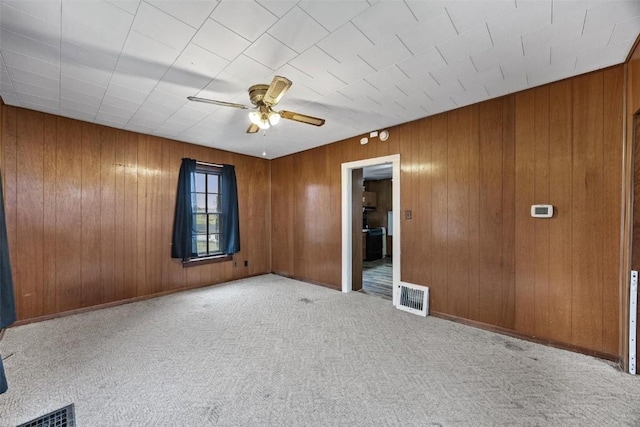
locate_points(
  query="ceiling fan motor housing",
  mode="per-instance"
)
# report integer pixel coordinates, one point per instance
(256, 94)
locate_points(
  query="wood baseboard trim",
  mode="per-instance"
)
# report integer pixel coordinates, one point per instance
(120, 302)
(551, 343)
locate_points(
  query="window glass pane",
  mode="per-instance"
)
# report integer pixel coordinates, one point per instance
(200, 182)
(200, 223)
(214, 203)
(214, 223)
(214, 243)
(201, 239)
(214, 180)
(201, 199)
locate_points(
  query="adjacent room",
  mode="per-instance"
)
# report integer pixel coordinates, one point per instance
(274, 212)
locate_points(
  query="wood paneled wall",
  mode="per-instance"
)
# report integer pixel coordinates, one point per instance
(631, 245)
(90, 213)
(470, 176)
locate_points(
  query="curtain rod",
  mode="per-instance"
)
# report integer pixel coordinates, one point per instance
(208, 164)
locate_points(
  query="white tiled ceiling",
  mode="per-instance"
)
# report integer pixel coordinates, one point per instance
(362, 65)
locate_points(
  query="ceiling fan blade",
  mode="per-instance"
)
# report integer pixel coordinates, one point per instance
(302, 118)
(253, 128)
(278, 87)
(221, 103)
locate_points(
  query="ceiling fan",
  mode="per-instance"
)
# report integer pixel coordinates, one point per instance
(264, 97)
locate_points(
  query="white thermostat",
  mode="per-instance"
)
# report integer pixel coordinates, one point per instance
(542, 211)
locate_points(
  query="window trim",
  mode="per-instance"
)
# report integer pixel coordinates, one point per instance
(209, 259)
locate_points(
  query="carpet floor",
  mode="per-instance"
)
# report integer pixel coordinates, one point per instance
(270, 351)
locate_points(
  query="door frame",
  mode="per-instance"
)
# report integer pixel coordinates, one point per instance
(347, 201)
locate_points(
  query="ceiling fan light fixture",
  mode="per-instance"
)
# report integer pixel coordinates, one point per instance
(259, 120)
(274, 118)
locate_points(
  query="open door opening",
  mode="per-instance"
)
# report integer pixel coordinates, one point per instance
(352, 222)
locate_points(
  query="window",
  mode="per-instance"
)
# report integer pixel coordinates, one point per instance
(207, 215)
(206, 226)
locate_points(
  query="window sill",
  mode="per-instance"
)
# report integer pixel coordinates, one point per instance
(206, 260)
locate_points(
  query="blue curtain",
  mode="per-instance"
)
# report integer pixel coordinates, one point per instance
(229, 202)
(183, 243)
(7, 301)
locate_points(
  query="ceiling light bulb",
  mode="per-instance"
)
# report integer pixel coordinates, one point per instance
(255, 118)
(274, 118)
(259, 119)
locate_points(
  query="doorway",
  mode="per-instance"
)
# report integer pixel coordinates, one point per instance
(351, 229)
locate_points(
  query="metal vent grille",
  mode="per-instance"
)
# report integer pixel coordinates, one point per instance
(63, 417)
(414, 299)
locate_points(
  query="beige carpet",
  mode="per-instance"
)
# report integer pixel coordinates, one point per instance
(270, 351)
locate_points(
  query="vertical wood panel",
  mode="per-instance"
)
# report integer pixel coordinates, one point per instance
(141, 213)
(408, 226)
(107, 213)
(541, 227)
(587, 232)
(424, 206)
(490, 300)
(29, 260)
(507, 318)
(525, 237)
(458, 213)
(612, 156)
(49, 208)
(560, 194)
(130, 224)
(91, 280)
(473, 219)
(439, 287)
(153, 214)
(282, 202)
(68, 235)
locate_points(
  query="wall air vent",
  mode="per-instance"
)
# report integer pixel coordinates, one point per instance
(414, 299)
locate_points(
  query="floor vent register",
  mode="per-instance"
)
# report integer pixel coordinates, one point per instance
(63, 417)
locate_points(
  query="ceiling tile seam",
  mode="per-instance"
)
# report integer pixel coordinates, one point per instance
(31, 38)
(441, 55)
(584, 22)
(501, 71)
(611, 35)
(404, 44)
(474, 64)
(175, 17)
(5, 4)
(410, 10)
(402, 71)
(116, 4)
(374, 100)
(486, 24)
(363, 60)
(321, 49)
(451, 19)
(338, 78)
(124, 43)
(169, 67)
(4, 64)
(459, 82)
(552, 9)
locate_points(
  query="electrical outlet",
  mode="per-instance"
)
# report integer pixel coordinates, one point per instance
(235, 263)
(407, 214)
(246, 263)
